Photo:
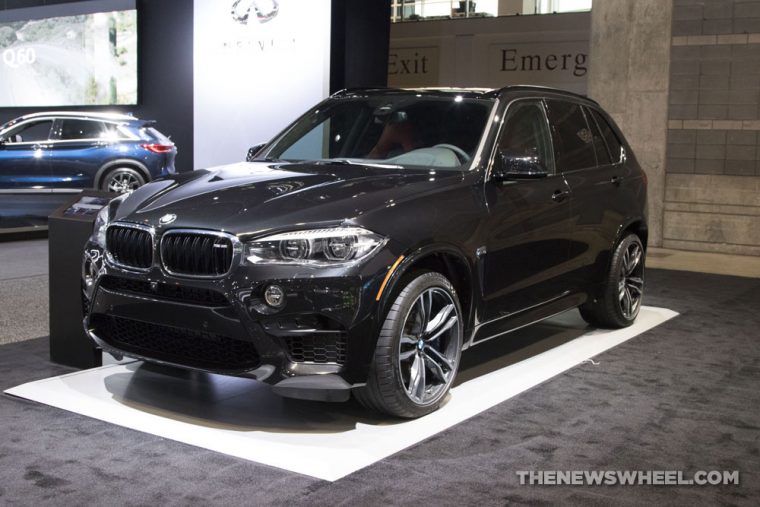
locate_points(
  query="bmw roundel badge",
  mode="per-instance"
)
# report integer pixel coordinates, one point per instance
(167, 219)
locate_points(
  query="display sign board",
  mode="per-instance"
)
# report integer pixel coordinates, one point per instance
(69, 54)
(549, 50)
(259, 64)
(413, 66)
(535, 63)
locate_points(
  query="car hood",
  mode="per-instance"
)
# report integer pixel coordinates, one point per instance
(255, 197)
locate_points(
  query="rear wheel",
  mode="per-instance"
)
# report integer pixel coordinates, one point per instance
(418, 349)
(121, 180)
(619, 300)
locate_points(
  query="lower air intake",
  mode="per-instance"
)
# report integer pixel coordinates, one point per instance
(188, 347)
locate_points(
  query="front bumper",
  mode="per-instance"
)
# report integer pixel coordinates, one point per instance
(318, 346)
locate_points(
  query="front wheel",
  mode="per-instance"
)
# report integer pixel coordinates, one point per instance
(619, 300)
(418, 349)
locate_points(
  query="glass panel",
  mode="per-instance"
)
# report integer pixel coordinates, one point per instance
(81, 129)
(406, 10)
(600, 146)
(614, 145)
(526, 134)
(573, 141)
(403, 130)
(30, 132)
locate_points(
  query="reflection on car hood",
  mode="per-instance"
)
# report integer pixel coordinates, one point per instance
(254, 197)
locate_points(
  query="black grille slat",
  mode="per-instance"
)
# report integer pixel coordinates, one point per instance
(173, 252)
(147, 250)
(129, 246)
(219, 259)
(189, 347)
(200, 246)
(196, 253)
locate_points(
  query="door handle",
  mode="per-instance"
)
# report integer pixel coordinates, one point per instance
(616, 180)
(560, 195)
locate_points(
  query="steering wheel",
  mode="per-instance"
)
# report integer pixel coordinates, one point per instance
(460, 153)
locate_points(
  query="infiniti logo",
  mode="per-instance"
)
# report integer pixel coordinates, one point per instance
(167, 219)
(266, 10)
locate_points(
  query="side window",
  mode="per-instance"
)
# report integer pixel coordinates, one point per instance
(614, 145)
(573, 141)
(80, 129)
(600, 146)
(114, 132)
(31, 132)
(526, 134)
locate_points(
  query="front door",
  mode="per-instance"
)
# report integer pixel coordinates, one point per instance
(24, 163)
(525, 259)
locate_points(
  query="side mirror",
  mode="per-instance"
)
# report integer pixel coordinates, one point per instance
(253, 151)
(511, 167)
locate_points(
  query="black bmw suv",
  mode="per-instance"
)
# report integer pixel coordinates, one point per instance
(375, 239)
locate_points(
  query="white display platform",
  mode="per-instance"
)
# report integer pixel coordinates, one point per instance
(244, 418)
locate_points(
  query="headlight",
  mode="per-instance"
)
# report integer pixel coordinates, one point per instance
(99, 229)
(103, 219)
(318, 247)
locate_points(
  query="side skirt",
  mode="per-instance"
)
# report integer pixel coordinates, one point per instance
(525, 318)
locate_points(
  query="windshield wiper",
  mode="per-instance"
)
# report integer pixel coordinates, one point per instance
(348, 161)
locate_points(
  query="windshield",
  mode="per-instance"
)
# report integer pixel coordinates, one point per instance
(400, 131)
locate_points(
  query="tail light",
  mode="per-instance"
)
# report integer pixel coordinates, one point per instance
(158, 148)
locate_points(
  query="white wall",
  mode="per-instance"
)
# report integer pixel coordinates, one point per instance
(548, 50)
(252, 80)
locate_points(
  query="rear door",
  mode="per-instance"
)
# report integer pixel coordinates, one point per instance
(24, 163)
(594, 172)
(78, 150)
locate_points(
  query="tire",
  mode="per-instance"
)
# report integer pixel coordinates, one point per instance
(619, 299)
(392, 386)
(122, 179)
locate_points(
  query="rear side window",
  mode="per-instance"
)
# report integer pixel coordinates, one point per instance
(614, 145)
(600, 146)
(573, 140)
(80, 129)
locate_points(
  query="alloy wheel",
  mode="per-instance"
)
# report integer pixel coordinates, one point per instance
(121, 181)
(428, 349)
(631, 281)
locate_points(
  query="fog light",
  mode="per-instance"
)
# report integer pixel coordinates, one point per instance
(274, 295)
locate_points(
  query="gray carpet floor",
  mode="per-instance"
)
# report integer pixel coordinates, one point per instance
(23, 290)
(683, 396)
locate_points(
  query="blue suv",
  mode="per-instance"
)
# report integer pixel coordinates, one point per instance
(64, 151)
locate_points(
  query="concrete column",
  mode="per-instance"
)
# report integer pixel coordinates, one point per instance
(510, 7)
(629, 77)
